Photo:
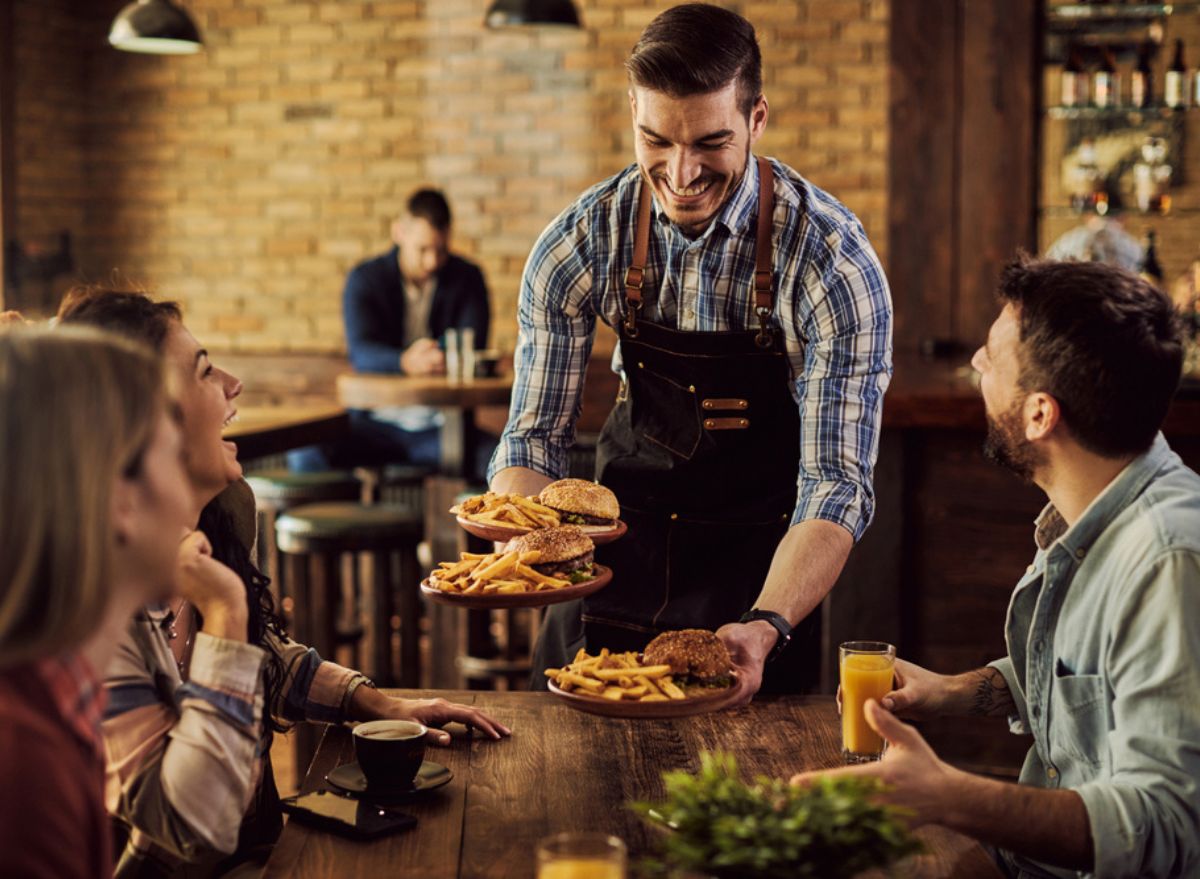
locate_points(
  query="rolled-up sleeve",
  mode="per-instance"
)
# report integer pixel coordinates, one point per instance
(182, 772)
(1144, 818)
(556, 323)
(847, 368)
(1018, 723)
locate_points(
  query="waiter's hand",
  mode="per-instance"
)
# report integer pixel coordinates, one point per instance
(423, 357)
(748, 645)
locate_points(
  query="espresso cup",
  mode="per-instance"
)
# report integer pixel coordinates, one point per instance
(390, 752)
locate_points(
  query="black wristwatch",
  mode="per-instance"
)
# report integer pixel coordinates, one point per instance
(782, 626)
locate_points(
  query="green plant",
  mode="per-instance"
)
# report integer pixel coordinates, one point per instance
(726, 828)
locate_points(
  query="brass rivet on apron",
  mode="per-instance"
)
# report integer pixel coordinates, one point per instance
(641, 365)
(674, 516)
(692, 388)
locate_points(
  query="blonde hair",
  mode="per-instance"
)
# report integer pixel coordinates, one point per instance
(78, 409)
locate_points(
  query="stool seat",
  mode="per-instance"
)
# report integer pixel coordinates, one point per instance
(285, 488)
(350, 525)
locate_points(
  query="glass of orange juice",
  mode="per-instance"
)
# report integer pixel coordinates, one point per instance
(867, 669)
(581, 856)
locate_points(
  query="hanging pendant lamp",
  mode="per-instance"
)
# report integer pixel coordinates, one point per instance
(156, 27)
(507, 13)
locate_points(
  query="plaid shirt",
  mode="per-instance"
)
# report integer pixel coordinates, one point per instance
(78, 694)
(832, 303)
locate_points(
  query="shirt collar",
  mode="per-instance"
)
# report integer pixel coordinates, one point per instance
(739, 211)
(1077, 539)
(78, 694)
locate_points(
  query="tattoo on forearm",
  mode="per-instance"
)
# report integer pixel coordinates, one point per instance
(991, 695)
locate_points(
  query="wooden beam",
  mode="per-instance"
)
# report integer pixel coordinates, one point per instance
(8, 146)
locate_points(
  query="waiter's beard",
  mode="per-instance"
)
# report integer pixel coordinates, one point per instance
(1006, 445)
(695, 228)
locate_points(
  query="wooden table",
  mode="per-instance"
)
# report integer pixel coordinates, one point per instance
(563, 770)
(269, 430)
(457, 402)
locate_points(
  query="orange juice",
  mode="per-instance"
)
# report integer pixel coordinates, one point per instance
(581, 868)
(864, 676)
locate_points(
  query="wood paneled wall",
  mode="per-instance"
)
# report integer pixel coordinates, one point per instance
(962, 176)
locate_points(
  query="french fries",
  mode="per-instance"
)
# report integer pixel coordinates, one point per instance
(617, 677)
(494, 573)
(507, 511)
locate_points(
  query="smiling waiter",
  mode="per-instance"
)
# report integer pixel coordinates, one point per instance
(755, 348)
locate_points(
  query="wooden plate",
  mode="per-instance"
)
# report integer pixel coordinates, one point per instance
(520, 599)
(500, 532)
(714, 701)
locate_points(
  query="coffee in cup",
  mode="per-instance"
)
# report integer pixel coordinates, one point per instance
(390, 752)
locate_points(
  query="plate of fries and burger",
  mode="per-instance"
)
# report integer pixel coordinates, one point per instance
(546, 566)
(587, 505)
(678, 674)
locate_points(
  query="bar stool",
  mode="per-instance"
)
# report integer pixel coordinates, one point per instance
(278, 490)
(313, 540)
(399, 484)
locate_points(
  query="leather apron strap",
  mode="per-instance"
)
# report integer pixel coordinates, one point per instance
(764, 283)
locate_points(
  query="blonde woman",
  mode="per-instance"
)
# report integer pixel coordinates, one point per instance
(93, 499)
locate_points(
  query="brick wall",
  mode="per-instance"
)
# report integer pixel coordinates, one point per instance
(246, 180)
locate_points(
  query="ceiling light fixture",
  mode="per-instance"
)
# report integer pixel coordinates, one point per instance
(508, 13)
(156, 27)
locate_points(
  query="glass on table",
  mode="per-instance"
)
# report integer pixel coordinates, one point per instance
(453, 349)
(581, 856)
(867, 669)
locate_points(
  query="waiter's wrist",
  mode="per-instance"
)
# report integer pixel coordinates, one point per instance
(764, 635)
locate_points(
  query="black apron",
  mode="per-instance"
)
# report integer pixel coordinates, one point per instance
(702, 450)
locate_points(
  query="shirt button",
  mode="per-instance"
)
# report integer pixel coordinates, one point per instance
(1029, 570)
(1036, 712)
(1038, 645)
(1080, 553)
(1052, 772)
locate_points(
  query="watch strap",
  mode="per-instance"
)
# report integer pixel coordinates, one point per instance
(778, 621)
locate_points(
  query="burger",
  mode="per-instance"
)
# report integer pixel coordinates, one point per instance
(565, 552)
(579, 502)
(697, 657)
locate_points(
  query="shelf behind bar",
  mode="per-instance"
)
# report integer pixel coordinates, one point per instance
(1072, 12)
(1063, 212)
(1134, 113)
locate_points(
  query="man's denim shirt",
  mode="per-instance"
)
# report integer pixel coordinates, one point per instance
(1103, 661)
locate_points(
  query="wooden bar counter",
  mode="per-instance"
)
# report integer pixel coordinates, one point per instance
(563, 770)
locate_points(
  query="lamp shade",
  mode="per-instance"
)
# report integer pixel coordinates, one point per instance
(157, 27)
(506, 13)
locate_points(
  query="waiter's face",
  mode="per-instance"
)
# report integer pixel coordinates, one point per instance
(423, 248)
(693, 151)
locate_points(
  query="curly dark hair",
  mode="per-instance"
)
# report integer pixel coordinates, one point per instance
(136, 316)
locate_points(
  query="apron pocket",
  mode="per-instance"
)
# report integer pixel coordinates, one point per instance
(665, 412)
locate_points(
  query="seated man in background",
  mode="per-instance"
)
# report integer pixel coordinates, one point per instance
(1103, 630)
(397, 309)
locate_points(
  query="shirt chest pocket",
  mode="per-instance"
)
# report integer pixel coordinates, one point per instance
(1080, 719)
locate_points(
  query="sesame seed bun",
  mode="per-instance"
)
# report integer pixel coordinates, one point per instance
(581, 496)
(695, 652)
(555, 544)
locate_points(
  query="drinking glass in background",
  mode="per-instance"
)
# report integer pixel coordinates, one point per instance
(466, 353)
(867, 669)
(581, 856)
(453, 360)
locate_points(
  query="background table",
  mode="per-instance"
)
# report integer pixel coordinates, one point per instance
(269, 430)
(564, 770)
(457, 401)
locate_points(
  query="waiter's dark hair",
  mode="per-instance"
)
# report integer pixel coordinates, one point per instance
(695, 49)
(431, 206)
(1106, 344)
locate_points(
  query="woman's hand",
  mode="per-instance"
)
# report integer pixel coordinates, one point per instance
(212, 588)
(434, 713)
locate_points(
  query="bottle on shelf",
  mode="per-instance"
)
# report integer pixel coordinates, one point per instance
(1174, 83)
(1074, 81)
(1151, 269)
(1106, 85)
(1142, 82)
